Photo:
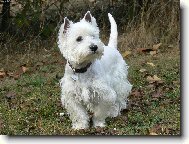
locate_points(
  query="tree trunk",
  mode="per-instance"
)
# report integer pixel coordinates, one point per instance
(5, 15)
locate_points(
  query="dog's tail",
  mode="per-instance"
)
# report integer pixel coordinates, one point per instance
(113, 33)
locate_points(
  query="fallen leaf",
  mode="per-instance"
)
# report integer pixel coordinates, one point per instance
(144, 49)
(155, 130)
(142, 70)
(2, 74)
(156, 78)
(170, 46)
(153, 133)
(153, 79)
(153, 53)
(155, 47)
(126, 53)
(151, 64)
(24, 68)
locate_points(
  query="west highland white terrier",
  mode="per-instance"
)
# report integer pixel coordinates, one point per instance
(95, 76)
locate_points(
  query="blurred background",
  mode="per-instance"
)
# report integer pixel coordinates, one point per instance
(141, 23)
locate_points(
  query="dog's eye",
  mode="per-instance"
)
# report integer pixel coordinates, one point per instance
(79, 39)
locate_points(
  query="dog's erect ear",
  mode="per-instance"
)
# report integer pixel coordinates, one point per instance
(88, 17)
(66, 24)
(63, 31)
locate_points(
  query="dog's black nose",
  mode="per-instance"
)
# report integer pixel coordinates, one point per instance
(93, 47)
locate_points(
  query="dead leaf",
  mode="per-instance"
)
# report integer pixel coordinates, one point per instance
(126, 53)
(153, 53)
(156, 78)
(155, 47)
(155, 130)
(170, 46)
(151, 64)
(153, 133)
(150, 79)
(153, 79)
(142, 70)
(24, 68)
(144, 50)
(2, 74)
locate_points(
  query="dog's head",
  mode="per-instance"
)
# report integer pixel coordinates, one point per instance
(79, 42)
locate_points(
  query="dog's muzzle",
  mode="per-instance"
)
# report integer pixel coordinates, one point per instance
(93, 47)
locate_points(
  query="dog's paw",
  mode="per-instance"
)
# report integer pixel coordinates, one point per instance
(78, 126)
(99, 123)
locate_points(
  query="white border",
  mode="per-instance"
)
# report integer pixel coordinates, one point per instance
(134, 140)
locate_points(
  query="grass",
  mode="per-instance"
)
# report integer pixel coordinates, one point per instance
(30, 103)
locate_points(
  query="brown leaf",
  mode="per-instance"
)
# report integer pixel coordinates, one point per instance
(155, 130)
(151, 64)
(126, 53)
(155, 47)
(153, 79)
(144, 50)
(24, 68)
(153, 133)
(142, 70)
(2, 74)
(153, 53)
(156, 78)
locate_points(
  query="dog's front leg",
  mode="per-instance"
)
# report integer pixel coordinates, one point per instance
(77, 113)
(107, 97)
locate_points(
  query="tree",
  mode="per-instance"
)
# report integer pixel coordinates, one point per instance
(5, 15)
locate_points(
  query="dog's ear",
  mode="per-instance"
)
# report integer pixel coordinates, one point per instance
(66, 24)
(63, 30)
(88, 17)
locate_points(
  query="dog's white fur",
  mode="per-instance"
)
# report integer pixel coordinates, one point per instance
(103, 88)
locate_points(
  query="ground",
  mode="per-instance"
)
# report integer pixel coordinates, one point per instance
(30, 94)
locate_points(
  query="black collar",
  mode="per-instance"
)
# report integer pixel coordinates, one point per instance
(81, 70)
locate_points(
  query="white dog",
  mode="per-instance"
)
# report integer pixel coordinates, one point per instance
(95, 76)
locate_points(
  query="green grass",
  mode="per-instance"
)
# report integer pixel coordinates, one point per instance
(35, 107)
